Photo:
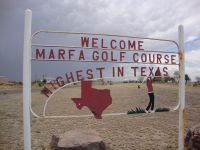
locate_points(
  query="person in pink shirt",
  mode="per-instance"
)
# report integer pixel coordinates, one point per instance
(151, 95)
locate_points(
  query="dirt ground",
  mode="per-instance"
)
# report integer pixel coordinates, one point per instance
(119, 132)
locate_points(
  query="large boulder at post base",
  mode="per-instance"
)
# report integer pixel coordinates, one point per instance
(192, 139)
(82, 139)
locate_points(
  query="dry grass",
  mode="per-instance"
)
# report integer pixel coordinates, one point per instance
(127, 132)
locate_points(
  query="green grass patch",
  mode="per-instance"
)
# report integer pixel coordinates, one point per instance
(162, 109)
(136, 111)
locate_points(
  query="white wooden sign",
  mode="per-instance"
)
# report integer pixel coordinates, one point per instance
(123, 48)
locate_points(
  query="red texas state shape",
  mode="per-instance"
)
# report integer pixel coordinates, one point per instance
(97, 100)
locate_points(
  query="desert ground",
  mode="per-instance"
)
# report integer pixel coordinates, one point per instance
(157, 131)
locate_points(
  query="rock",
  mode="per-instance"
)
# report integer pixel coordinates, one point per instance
(78, 140)
(192, 140)
(54, 142)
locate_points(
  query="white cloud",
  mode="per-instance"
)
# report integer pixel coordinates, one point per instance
(193, 63)
(193, 72)
(193, 57)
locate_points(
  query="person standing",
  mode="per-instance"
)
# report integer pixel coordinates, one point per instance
(151, 96)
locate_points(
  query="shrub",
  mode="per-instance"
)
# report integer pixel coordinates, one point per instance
(136, 111)
(40, 83)
(141, 110)
(162, 109)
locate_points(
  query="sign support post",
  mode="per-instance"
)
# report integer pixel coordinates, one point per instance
(181, 88)
(27, 80)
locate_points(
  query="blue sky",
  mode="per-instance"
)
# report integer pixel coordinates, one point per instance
(147, 18)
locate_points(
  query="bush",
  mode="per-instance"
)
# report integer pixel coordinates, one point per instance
(44, 81)
(162, 109)
(141, 110)
(40, 83)
(136, 111)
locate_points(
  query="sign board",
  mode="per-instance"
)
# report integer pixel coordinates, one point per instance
(138, 56)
